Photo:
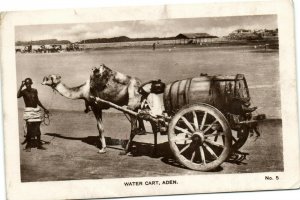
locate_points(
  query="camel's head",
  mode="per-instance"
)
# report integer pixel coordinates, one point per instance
(51, 80)
(98, 71)
(99, 76)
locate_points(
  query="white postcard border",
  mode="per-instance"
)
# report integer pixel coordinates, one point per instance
(187, 184)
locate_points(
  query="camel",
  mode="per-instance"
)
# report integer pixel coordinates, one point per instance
(109, 85)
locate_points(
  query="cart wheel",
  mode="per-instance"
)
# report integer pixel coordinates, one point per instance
(239, 138)
(200, 137)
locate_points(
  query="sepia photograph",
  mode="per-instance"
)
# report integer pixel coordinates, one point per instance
(146, 101)
(162, 97)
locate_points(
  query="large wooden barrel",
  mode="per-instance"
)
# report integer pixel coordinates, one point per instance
(213, 90)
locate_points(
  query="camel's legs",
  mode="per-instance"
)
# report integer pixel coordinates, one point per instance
(132, 134)
(101, 136)
(98, 115)
(87, 106)
(133, 104)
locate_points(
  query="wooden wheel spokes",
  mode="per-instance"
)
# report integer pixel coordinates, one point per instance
(195, 119)
(192, 120)
(188, 124)
(202, 155)
(211, 125)
(193, 156)
(177, 140)
(203, 121)
(214, 143)
(192, 131)
(210, 151)
(193, 124)
(205, 151)
(184, 148)
(183, 130)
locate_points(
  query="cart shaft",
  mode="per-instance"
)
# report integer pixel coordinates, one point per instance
(125, 110)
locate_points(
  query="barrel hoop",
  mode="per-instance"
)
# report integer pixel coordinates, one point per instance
(169, 95)
(184, 94)
(187, 89)
(178, 94)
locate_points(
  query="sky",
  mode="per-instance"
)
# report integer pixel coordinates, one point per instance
(218, 26)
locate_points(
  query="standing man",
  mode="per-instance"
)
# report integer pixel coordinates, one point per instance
(153, 46)
(32, 114)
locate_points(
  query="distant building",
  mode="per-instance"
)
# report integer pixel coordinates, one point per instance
(194, 38)
(245, 34)
(269, 33)
(242, 31)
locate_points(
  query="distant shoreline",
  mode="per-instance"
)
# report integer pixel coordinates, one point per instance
(255, 48)
(170, 47)
(259, 44)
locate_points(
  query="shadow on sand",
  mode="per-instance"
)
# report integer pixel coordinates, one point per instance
(163, 152)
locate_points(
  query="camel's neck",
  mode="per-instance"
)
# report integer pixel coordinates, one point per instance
(79, 92)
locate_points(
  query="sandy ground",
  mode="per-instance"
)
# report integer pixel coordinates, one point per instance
(72, 152)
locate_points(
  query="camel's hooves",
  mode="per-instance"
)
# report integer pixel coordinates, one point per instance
(101, 151)
(129, 154)
(124, 153)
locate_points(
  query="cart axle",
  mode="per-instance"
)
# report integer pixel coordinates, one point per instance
(198, 138)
